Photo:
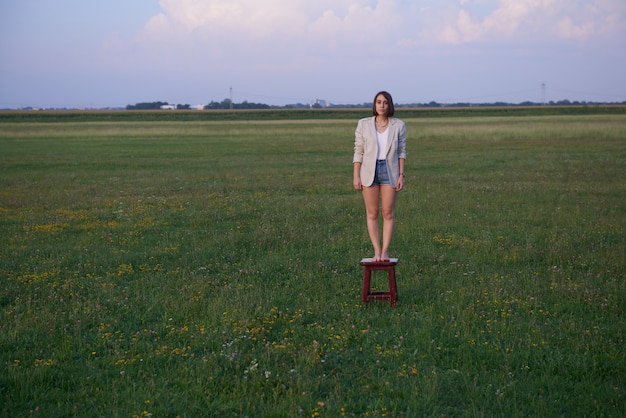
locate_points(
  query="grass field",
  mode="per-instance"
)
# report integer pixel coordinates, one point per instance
(211, 268)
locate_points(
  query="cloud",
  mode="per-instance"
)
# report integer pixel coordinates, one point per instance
(283, 35)
(567, 29)
(383, 21)
(273, 35)
(255, 22)
(525, 20)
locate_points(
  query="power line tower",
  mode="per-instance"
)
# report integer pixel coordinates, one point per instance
(231, 97)
(543, 94)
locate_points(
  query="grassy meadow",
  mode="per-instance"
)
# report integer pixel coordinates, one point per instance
(186, 268)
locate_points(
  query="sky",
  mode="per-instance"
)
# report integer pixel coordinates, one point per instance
(97, 54)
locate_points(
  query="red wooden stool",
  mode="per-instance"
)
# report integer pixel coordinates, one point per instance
(389, 266)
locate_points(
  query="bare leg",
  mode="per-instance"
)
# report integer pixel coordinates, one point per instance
(371, 196)
(388, 194)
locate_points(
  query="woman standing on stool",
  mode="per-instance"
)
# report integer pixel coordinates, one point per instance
(379, 155)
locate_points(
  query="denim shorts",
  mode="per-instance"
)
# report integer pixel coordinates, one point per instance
(381, 177)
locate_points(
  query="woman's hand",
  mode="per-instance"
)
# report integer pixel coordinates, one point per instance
(356, 182)
(400, 183)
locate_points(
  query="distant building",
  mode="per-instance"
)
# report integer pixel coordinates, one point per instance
(317, 104)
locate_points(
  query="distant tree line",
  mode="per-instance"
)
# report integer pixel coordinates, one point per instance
(227, 104)
(224, 104)
(146, 106)
(156, 105)
(505, 104)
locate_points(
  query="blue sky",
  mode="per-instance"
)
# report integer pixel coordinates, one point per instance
(77, 53)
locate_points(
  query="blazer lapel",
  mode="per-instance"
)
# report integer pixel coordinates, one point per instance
(392, 134)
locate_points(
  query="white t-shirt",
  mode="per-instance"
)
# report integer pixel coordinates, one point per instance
(382, 139)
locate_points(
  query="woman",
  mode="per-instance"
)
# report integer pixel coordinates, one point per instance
(379, 156)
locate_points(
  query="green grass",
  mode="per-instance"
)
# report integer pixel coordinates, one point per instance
(211, 268)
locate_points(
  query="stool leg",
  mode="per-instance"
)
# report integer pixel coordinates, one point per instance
(393, 291)
(367, 277)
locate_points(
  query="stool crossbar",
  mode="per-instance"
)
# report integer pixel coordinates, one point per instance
(388, 266)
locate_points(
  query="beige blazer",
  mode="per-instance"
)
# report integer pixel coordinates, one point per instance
(366, 148)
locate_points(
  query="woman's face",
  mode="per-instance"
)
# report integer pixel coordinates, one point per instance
(382, 107)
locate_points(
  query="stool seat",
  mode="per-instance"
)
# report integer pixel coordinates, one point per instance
(369, 262)
(389, 267)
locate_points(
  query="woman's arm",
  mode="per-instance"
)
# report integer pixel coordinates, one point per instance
(357, 159)
(356, 178)
(359, 144)
(401, 156)
(400, 182)
(402, 142)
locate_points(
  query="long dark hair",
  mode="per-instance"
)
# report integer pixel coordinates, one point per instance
(390, 110)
